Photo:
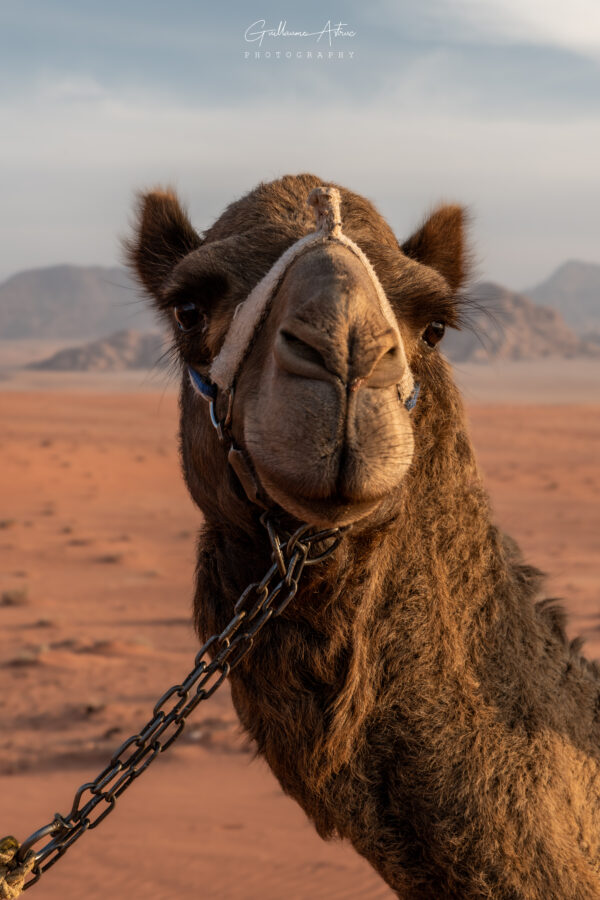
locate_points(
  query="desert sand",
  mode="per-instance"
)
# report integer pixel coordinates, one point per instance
(97, 552)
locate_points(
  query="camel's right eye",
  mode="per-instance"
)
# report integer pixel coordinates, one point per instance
(188, 316)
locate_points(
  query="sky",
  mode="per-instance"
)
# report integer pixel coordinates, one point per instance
(494, 105)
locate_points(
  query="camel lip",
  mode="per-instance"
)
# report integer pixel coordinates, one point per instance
(334, 510)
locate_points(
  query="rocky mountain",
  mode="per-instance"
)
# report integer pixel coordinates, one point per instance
(116, 353)
(66, 302)
(503, 325)
(78, 303)
(510, 326)
(574, 290)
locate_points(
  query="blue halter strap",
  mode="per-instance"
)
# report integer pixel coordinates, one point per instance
(202, 385)
(411, 401)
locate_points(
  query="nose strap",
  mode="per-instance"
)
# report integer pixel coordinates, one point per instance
(251, 314)
(327, 204)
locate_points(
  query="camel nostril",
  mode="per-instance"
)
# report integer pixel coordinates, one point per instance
(298, 357)
(388, 367)
(301, 349)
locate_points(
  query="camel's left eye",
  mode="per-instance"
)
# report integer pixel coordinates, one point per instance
(434, 333)
(188, 316)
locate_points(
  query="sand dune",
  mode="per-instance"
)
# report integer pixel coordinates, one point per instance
(97, 552)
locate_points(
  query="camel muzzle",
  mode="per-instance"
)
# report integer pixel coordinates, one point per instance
(369, 361)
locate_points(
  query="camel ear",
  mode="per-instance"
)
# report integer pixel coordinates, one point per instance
(440, 244)
(163, 235)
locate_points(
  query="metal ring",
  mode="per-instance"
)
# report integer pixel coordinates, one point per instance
(53, 827)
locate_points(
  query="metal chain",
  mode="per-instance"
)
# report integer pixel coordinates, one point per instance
(260, 601)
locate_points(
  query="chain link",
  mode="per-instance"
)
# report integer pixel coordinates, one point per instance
(259, 602)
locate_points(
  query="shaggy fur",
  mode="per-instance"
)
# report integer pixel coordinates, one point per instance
(416, 697)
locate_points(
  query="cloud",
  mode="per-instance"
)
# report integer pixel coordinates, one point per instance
(70, 88)
(574, 26)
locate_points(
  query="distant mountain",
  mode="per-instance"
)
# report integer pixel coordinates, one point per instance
(83, 303)
(510, 326)
(120, 351)
(70, 302)
(574, 290)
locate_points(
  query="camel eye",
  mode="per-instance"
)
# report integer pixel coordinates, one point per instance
(188, 316)
(434, 333)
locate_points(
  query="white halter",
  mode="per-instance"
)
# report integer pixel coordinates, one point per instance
(252, 312)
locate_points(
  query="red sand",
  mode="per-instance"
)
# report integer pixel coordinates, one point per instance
(97, 541)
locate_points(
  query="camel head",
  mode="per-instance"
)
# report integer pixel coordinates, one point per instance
(315, 331)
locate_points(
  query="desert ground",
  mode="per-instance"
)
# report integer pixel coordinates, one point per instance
(96, 562)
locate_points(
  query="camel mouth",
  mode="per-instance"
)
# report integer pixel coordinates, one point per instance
(336, 461)
(326, 485)
(333, 510)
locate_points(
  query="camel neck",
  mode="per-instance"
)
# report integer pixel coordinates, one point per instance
(414, 659)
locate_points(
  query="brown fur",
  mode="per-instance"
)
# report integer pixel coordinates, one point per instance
(415, 698)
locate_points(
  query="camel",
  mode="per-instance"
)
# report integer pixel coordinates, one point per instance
(418, 697)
